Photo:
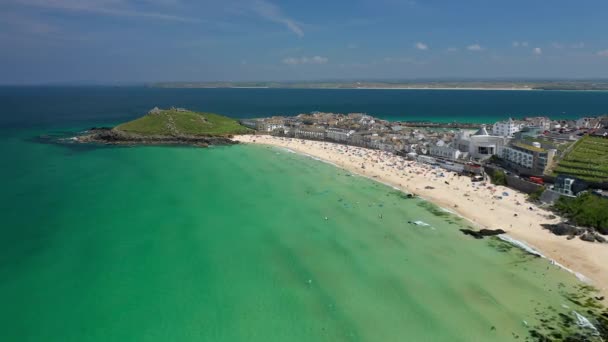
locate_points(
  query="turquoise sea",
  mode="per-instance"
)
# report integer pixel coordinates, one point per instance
(247, 243)
(23, 106)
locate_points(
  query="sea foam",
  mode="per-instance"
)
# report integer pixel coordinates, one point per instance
(533, 251)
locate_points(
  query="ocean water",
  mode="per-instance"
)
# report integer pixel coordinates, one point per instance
(57, 106)
(233, 244)
(248, 243)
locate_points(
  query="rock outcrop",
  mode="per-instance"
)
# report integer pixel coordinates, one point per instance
(572, 231)
(115, 137)
(482, 233)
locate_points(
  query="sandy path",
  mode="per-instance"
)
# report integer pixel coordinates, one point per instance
(475, 202)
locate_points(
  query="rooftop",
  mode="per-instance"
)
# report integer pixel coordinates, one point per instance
(529, 147)
(482, 131)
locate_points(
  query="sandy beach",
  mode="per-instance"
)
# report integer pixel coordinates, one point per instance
(477, 202)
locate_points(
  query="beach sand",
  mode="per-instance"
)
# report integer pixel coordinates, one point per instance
(475, 202)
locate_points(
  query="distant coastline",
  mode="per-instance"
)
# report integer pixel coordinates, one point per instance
(436, 88)
(583, 85)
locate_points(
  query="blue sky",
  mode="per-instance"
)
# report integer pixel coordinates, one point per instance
(112, 41)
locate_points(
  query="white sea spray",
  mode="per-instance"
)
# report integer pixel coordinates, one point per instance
(533, 251)
(583, 322)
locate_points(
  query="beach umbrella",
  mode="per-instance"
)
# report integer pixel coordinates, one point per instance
(505, 194)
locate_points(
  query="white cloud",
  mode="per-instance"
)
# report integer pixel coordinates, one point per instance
(474, 47)
(119, 8)
(403, 60)
(578, 45)
(537, 51)
(319, 60)
(27, 25)
(291, 61)
(273, 13)
(305, 60)
(421, 46)
(603, 53)
(517, 44)
(353, 65)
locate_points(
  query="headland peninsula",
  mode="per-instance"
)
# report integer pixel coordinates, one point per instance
(174, 126)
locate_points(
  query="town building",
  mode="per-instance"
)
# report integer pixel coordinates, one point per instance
(588, 123)
(568, 185)
(542, 122)
(339, 134)
(526, 158)
(310, 132)
(443, 150)
(602, 132)
(479, 145)
(506, 128)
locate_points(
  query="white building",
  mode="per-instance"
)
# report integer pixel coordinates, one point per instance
(310, 132)
(555, 125)
(338, 134)
(443, 150)
(480, 145)
(588, 123)
(506, 128)
(543, 122)
(531, 157)
(269, 126)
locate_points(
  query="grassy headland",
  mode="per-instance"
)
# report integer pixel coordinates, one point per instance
(173, 126)
(176, 122)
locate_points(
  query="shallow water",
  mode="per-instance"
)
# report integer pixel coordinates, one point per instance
(246, 243)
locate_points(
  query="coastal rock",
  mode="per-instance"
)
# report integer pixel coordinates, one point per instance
(115, 137)
(599, 238)
(589, 237)
(482, 233)
(562, 229)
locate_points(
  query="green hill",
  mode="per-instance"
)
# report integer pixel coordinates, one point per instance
(179, 122)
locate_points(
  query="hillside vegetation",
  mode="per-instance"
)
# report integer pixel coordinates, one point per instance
(175, 122)
(588, 160)
(585, 210)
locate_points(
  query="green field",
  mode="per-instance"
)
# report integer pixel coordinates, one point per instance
(181, 123)
(588, 160)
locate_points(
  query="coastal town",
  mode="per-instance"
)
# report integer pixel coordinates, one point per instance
(527, 152)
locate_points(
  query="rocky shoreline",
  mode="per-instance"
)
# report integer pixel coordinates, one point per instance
(572, 231)
(109, 136)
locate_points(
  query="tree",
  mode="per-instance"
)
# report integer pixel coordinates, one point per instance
(498, 177)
